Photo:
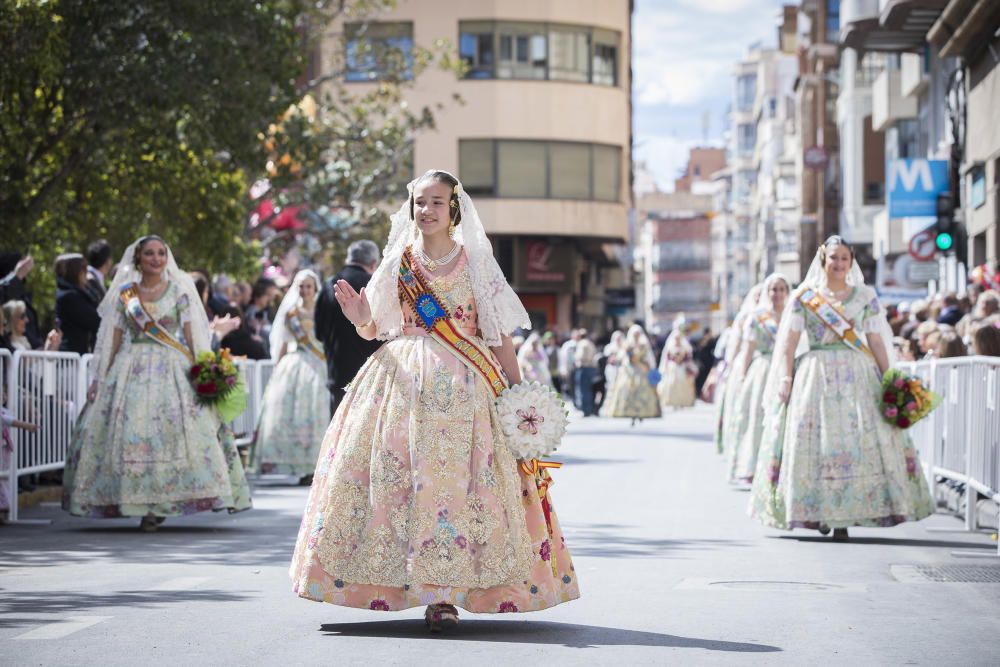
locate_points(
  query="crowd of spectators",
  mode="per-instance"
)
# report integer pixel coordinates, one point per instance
(948, 325)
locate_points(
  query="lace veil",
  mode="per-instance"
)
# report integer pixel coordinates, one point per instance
(498, 309)
(636, 337)
(676, 343)
(112, 318)
(280, 333)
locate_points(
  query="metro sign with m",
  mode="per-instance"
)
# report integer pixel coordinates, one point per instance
(913, 187)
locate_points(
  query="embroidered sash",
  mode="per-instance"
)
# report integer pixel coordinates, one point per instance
(298, 331)
(833, 319)
(764, 320)
(129, 296)
(417, 291)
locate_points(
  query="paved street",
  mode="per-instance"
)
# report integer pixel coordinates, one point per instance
(672, 572)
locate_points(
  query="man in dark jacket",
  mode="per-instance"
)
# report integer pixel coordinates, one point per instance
(346, 351)
(99, 265)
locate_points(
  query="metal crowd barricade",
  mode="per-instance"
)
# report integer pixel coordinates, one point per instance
(960, 440)
(256, 374)
(47, 389)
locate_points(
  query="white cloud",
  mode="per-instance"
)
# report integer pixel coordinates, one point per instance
(666, 157)
(684, 53)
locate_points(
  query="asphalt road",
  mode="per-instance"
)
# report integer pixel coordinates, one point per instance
(671, 570)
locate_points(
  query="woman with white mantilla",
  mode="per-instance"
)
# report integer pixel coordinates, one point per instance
(295, 409)
(145, 446)
(416, 500)
(828, 459)
(754, 362)
(677, 369)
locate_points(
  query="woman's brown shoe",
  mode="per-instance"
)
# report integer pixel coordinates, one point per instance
(440, 617)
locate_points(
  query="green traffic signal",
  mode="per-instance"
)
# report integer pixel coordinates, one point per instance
(944, 241)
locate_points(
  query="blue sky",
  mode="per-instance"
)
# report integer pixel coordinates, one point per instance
(683, 56)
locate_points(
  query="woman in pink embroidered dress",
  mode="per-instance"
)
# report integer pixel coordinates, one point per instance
(416, 500)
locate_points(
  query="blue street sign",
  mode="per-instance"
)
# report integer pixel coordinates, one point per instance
(913, 186)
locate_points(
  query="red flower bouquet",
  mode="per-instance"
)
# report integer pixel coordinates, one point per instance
(905, 399)
(217, 382)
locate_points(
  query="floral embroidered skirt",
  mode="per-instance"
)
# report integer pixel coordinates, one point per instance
(294, 416)
(632, 395)
(676, 388)
(745, 424)
(730, 389)
(829, 458)
(147, 446)
(416, 501)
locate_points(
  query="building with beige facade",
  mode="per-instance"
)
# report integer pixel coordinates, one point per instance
(541, 139)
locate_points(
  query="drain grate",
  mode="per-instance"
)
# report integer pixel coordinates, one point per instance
(954, 574)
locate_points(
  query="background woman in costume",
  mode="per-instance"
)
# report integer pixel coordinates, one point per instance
(145, 446)
(613, 353)
(747, 422)
(828, 459)
(296, 409)
(731, 376)
(677, 369)
(533, 361)
(633, 395)
(416, 500)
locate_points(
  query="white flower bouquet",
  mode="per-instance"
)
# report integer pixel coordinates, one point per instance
(533, 417)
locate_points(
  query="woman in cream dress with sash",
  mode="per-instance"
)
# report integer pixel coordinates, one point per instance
(828, 460)
(677, 369)
(633, 394)
(295, 410)
(144, 446)
(754, 363)
(416, 499)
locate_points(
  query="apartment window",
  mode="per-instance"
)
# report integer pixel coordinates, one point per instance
(521, 50)
(540, 169)
(833, 21)
(747, 138)
(475, 45)
(604, 70)
(569, 54)
(607, 172)
(746, 86)
(375, 49)
(569, 170)
(478, 159)
(521, 169)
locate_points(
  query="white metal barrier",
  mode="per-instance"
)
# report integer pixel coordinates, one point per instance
(49, 389)
(960, 440)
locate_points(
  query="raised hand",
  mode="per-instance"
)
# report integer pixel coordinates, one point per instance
(354, 304)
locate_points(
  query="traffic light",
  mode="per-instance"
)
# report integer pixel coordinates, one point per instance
(947, 230)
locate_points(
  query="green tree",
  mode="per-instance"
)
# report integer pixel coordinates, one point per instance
(124, 117)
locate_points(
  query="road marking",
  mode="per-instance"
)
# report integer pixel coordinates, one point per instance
(180, 584)
(762, 586)
(64, 627)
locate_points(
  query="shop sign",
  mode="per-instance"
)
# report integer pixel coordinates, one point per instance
(544, 264)
(913, 186)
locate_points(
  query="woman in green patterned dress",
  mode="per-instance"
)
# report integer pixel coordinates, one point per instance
(747, 423)
(145, 446)
(828, 460)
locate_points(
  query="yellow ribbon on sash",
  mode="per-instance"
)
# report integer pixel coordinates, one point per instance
(833, 319)
(129, 296)
(298, 332)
